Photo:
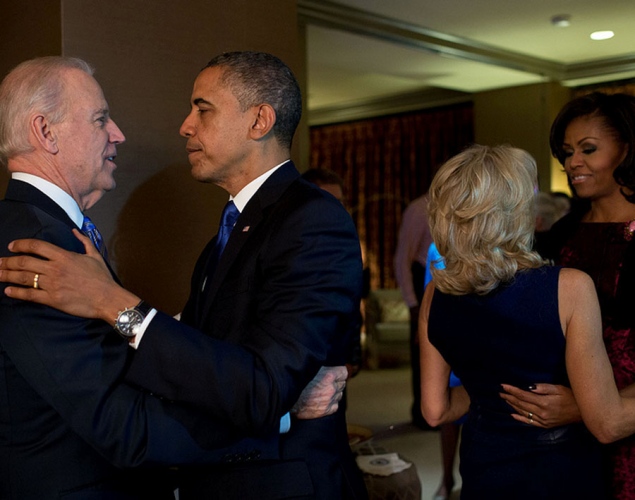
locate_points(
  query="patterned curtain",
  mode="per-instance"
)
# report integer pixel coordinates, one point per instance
(385, 163)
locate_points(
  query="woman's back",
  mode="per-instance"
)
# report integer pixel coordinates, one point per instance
(495, 325)
(513, 335)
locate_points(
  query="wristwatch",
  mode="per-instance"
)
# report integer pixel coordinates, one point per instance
(129, 320)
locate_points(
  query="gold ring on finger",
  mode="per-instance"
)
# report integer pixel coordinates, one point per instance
(36, 281)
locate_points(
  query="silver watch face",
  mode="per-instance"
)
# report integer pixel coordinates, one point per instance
(128, 322)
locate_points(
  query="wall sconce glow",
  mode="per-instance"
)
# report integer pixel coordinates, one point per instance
(602, 35)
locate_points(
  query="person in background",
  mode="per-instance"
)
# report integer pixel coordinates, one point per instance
(410, 266)
(593, 137)
(563, 203)
(497, 314)
(266, 311)
(451, 431)
(332, 183)
(327, 180)
(546, 215)
(546, 211)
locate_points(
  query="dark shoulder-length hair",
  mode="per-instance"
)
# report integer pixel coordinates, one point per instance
(618, 113)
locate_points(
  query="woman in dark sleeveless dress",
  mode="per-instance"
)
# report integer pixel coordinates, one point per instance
(593, 137)
(497, 315)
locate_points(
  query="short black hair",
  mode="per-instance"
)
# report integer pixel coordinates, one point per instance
(258, 78)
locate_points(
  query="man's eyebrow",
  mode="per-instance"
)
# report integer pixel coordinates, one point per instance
(102, 112)
(200, 100)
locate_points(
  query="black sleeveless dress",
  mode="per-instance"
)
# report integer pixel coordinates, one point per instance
(513, 335)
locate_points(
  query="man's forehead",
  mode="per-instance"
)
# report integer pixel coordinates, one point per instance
(77, 78)
(209, 88)
(85, 92)
(207, 82)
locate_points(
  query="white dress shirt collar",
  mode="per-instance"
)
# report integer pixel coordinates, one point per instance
(55, 193)
(246, 193)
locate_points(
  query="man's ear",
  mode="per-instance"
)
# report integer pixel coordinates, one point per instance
(42, 133)
(264, 121)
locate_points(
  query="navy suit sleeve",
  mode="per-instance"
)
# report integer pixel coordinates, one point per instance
(288, 304)
(74, 371)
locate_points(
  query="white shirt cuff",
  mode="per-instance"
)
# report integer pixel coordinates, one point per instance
(142, 329)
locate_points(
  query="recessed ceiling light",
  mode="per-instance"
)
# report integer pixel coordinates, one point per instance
(602, 35)
(561, 20)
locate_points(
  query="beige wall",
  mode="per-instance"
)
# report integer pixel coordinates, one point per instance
(27, 29)
(147, 54)
(521, 116)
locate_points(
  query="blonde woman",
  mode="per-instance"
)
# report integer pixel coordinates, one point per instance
(497, 314)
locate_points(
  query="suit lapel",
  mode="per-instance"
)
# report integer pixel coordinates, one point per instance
(250, 218)
(209, 278)
(24, 192)
(245, 226)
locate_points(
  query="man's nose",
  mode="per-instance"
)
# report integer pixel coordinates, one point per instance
(187, 129)
(116, 135)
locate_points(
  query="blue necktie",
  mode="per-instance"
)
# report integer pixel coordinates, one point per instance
(90, 230)
(227, 221)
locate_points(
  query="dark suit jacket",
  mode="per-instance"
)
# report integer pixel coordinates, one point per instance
(287, 288)
(69, 425)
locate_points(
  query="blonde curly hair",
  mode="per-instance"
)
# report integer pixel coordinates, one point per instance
(482, 218)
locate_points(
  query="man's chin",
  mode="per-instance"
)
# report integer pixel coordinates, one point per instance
(199, 174)
(94, 197)
(109, 187)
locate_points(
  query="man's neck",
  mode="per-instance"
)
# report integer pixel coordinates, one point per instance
(245, 194)
(41, 167)
(54, 192)
(254, 166)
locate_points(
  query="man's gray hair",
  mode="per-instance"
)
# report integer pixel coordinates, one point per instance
(34, 86)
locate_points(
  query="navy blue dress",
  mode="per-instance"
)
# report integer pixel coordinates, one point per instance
(513, 335)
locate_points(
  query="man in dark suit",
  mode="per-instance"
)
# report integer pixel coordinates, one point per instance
(286, 288)
(71, 424)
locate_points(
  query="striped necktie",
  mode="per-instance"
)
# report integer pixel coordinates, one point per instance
(90, 230)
